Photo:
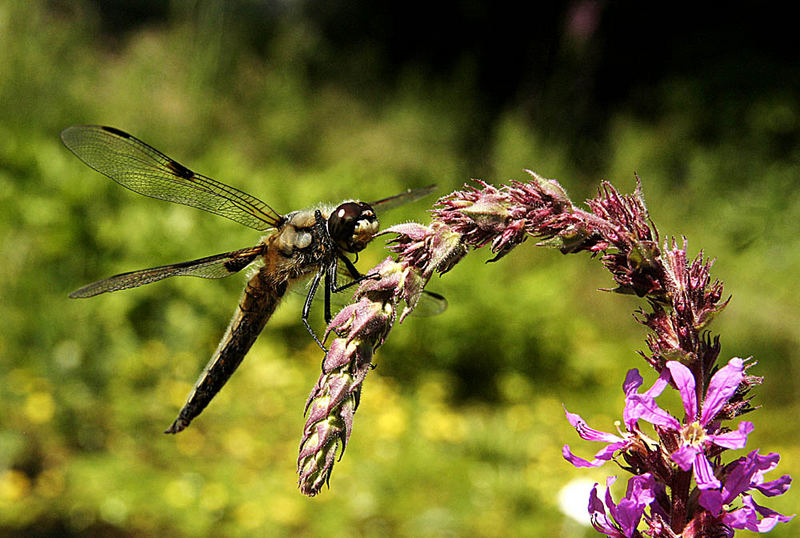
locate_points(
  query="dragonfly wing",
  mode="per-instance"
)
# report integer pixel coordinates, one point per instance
(430, 304)
(145, 170)
(411, 195)
(218, 266)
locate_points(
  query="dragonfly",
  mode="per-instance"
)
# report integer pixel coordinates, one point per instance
(301, 244)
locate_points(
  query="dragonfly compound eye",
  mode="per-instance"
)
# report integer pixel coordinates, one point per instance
(352, 225)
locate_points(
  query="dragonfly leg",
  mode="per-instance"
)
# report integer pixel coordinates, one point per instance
(312, 291)
(330, 287)
(351, 268)
(357, 277)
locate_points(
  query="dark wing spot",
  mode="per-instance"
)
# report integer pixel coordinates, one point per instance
(180, 170)
(238, 263)
(114, 130)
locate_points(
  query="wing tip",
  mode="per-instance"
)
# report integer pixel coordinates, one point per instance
(66, 134)
(84, 292)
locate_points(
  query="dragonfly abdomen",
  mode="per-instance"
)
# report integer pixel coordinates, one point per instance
(258, 303)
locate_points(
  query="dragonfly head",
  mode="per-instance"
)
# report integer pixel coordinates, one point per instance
(352, 225)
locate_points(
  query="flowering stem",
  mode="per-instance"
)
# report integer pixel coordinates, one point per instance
(682, 301)
(681, 482)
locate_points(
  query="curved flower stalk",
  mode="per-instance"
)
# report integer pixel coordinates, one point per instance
(333, 402)
(682, 300)
(360, 328)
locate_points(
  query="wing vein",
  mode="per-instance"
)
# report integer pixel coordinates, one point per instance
(145, 170)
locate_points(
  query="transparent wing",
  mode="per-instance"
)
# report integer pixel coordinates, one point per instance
(411, 195)
(430, 304)
(143, 169)
(218, 266)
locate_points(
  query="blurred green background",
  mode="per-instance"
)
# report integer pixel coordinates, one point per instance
(460, 427)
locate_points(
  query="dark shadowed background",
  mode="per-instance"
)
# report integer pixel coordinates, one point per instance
(460, 427)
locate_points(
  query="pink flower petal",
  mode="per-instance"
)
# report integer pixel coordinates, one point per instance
(602, 456)
(587, 433)
(737, 439)
(597, 513)
(704, 473)
(640, 406)
(746, 517)
(684, 380)
(632, 382)
(775, 487)
(577, 461)
(684, 457)
(721, 388)
(659, 386)
(712, 500)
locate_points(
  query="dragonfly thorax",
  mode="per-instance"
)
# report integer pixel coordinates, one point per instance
(352, 225)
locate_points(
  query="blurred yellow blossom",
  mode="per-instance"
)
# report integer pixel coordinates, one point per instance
(40, 407)
(14, 485)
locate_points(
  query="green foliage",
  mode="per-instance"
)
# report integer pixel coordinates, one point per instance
(460, 428)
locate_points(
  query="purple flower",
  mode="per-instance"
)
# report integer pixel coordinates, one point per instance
(700, 432)
(746, 517)
(634, 444)
(621, 520)
(743, 475)
(636, 406)
(615, 442)
(694, 438)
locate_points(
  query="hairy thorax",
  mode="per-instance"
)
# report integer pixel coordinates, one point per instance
(297, 248)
